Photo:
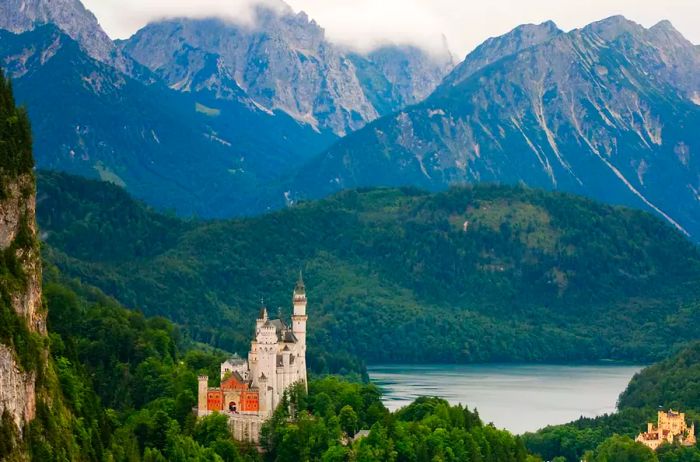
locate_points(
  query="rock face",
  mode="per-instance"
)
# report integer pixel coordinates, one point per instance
(495, 48)
(68, 15)
(21, 313)
(395, 76)
(609, 111)
(17, 216)
(283, 62)
(17, 389)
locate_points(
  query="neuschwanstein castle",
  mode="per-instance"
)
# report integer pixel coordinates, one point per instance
(250, 390)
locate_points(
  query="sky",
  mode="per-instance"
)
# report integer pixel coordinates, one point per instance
(364, 24)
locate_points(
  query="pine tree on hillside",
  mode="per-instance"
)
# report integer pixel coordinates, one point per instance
(15, 135)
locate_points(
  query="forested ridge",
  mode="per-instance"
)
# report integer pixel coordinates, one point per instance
(671, 383)
(483, 273)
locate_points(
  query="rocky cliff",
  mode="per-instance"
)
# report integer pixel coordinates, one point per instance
(284, 62)
(71, 17)
(22, 317)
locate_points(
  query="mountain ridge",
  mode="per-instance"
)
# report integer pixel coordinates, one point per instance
(594, 121)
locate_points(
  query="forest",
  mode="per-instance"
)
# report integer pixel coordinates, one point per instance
(127, 385)
(671, 383)
(550, 277)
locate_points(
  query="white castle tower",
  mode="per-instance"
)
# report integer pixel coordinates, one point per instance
(299, 318)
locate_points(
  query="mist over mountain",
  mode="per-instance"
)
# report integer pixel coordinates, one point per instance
(609, 111)
(222, 111)
(284, 62)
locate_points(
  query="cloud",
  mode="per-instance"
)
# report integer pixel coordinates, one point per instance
(121, 18)
(365, 24)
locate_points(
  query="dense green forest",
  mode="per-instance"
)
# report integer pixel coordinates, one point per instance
(484, 273)
(129, 383)
(672, 383)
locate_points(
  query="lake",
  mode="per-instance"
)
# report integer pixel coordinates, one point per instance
(519, 398)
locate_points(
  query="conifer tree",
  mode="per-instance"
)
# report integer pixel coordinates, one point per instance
(15, 136)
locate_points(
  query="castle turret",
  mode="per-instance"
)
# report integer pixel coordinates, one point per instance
(299, 323)
(202, 394)
(262, 317)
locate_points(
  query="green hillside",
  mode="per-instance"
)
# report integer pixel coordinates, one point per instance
(674, 382)
(130, 383)
(671, 383)
(486, 273)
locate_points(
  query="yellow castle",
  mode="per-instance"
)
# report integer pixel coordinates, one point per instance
(671, 428)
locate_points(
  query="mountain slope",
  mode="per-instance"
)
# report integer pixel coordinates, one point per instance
(396, 76)
(284, 62)
(607, 111)
(188, 152)
(476, 274)
(672, 383)
(72, 18)
(32, 411)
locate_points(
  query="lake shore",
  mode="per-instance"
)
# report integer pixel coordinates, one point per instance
(517, 397)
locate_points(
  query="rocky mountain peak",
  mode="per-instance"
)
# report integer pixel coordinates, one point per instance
(71, 17)
(496, 48)
(283, 62)
(611, 28)
(603, 111)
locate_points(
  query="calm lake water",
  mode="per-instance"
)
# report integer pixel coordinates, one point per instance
(519, 398)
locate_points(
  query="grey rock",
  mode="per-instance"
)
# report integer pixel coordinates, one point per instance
(283, 62)
(68, 15)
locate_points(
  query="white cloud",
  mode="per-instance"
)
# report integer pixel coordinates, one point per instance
(363, 24)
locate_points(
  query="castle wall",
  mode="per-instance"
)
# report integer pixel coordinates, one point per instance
(246, 428)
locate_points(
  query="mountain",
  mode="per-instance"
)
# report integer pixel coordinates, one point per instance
(486, 273)
(284, 62)
(72, 18)
(606, 111)
(395, 76)
(189, 152)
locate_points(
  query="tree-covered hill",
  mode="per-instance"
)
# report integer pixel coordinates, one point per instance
(674, 382)
(671, 383)
(484, 273)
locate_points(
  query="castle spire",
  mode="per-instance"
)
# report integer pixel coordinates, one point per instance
(263, 309)
(299, 288)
